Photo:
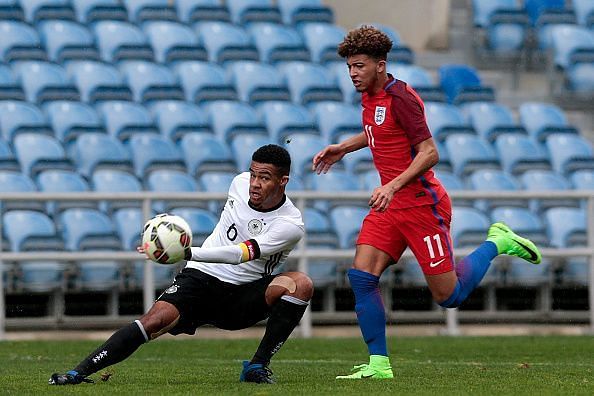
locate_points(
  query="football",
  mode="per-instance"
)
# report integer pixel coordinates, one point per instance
(165, 238)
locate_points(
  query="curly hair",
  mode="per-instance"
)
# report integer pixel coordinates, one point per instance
(365, 40)
(275, 155)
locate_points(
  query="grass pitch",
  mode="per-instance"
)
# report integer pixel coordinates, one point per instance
(423, 365)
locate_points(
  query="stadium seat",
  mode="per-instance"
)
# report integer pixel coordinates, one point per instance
(494, 180)
(140, 11)
(128, 224)
(418, 78)
(370, 180)
(38, 10)
(335, 119)
(284, 118)
(66, 40)
(15, 181)
(11, 10)
(173, 42)
(63, 181)
(243, 146)
(576, 271)
(302, 148)
(71, 119)
(461, 83)
(149, 81)
(249, 11)
(469, 227)
(295, 183)
(204, 152)
(573, 49)
(162, 275)
(444, 163)
(278, 43)
(88, 229)
(519, 153)
(89, 11)
(151, 152)
(229, 119)
(123, 119)
(335, 180)
(504, 22)
(341, 75)
(542, 119)
(546, 180)
(225, 42)
(19, 42)
(44, 81)
(203, 81)
(450, 181)
(28, 230)
(10, 89)
(566, 227)
(177, 118)
(297, 11)
(190, 11)
(97, 276)
(319, 231)
(347, 222)
(584, 12)
(470, 152)
(400, 53)
(94, 151)
(7, 158)
(569, 153)
(491, 120)
(21, 117)
(202, 222)
(523, 222)
(121, 40)
(41, 276)
(309, 82)
(445, 119)
(171, 181)
(359, 161)
(115, 181)
(257, 82)
(97, 81)
(215, 181)
(540, 11)
(37, 152)
(582, 179)
(322, 40)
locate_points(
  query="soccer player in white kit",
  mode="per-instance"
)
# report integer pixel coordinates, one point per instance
(229, 281)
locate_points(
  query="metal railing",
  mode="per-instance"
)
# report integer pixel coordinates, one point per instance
(302, 253)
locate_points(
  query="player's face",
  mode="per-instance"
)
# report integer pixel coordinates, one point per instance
(365, 71)
(267, 185)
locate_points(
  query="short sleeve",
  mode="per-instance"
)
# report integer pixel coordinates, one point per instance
(408, 110)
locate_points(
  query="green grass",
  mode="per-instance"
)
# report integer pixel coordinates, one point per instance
(423, 365)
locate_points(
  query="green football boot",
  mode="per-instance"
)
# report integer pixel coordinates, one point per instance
(508, 242)
(378, 368)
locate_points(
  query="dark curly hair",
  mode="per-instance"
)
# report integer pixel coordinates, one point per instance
(275, 155)
(366, 40)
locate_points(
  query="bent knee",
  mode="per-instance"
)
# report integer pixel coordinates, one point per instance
(295, 284)
(161, 318)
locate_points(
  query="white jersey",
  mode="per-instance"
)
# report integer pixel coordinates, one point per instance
(270, 235)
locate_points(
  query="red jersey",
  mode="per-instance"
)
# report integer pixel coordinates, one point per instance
(394, 122)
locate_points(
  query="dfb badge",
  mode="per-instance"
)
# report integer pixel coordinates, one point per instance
(255, 227)
(380, 115)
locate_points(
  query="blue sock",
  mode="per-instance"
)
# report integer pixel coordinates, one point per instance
(370, 310)
(471, 271)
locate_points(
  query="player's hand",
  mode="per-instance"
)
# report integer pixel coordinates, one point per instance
(381, 197)
(323, 160)
(140, 250)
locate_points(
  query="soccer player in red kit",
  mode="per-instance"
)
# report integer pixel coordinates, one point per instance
(411, 208)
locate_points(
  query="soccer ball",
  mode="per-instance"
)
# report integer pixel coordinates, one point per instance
(165, 238)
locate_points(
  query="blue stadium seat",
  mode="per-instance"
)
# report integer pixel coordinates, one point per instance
(335, 180)
(162, 274)
(149, 81)
(215, 181)
(445, 119)
(7, 158)
(28, 230)
(15, 181)
(88, 11)
(491, 120)
(335, 119)
(97, 276)
(10, 89)
(170, 180)
(257, 82)
(177, 118)
(582, 179)
(43, 81)
(225, 42)
(542, 119)
(278, 43)
(341, 75)
(370, 180)
(322, 40)
(232, 118)
(523, 222)
(400, 53)
(88, 229)
(21, 117)
(504, 22)
(494, 180)
(309, 82)
(71, 119)
(576, 271)
(546, 180)
(125, 119)
(98, 150)
(38, 152)
(201, 221)
(63, 181)
(584, 12)
(469, 226)
(11, 10)
(115, 181)
(173, 42)
(151, 152)
(297, 11)
(461, 83)
(190, 11)
(19, 41)
(319, 230)
(128, 224)
(470, 152)
(97, 81)
(541, 11)
(570, 153)
(66, 40)
(204, 152)
(566, 227)
(302, 148)
(347, 222)
(243, 146)
(249, 11)
(444, 163)
(121, 40)
(450, 181)
(358, 161)
(295, 183)
(518, 153)
(203, 81)
(418, 78)
(41, 276)
(573, 49)
(38, 10)
(284, 118)
(140, 11)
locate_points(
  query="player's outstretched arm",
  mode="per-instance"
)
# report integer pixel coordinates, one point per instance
(323, 161)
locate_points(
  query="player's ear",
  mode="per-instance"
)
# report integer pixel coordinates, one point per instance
(284, 180)
(380, 66)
